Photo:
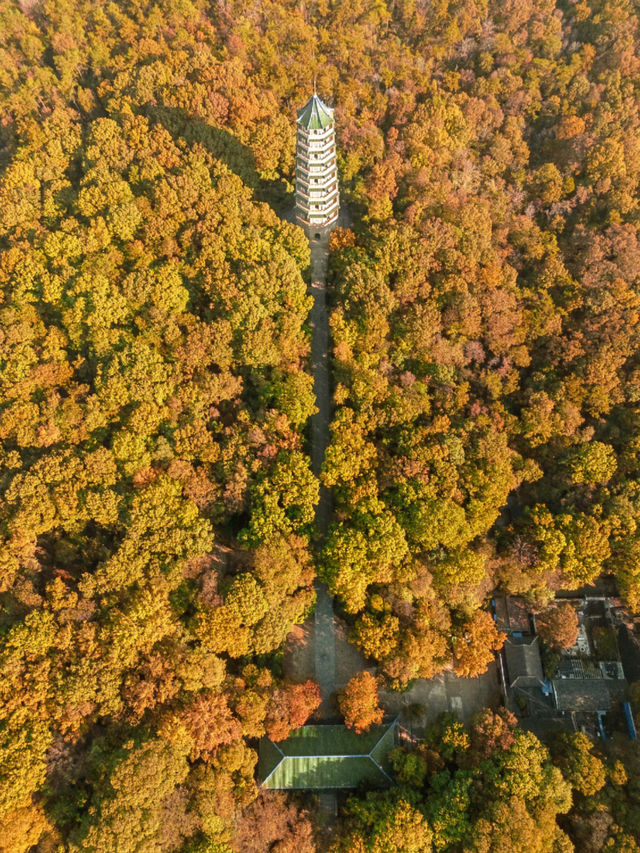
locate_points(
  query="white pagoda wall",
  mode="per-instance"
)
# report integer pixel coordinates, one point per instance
(317, 197)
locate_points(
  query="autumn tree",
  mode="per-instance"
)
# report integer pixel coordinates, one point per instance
(475, 648)
(584, 771)
(359, 702)
(384, 822)
(157, 500)
(273, 821)
(558, 626)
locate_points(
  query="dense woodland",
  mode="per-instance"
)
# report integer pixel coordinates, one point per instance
(156, 496)
(486, 329)
(493, 788)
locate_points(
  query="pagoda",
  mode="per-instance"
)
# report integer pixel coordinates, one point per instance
(317, 199)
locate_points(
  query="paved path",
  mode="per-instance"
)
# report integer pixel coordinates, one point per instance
(420, 706)
(324, 622)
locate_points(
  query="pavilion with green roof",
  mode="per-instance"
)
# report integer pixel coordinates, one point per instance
(328, 756)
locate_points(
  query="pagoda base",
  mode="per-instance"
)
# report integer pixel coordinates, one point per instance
(323, 229)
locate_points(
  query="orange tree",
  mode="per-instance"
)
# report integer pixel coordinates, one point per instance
(358, 702)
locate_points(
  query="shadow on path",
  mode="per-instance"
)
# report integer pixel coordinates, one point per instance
(324, 621)
(323, 617)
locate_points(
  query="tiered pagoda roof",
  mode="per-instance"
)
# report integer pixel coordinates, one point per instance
(315, 115)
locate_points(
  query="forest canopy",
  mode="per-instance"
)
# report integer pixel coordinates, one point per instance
(156, 493)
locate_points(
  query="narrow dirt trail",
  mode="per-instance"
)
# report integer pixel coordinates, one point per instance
(324, 622)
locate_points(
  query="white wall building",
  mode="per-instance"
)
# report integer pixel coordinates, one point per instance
(317, 198)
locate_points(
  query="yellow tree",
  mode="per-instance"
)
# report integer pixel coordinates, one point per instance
(476, 644)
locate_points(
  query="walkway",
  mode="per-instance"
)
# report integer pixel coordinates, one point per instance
(324, 622)
(419, 707)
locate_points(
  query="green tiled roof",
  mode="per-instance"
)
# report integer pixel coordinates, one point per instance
(319, 757)
(380, 752)
(315, 115)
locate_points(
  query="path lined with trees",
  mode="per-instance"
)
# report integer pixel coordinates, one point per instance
(157, 501)
(324, 621)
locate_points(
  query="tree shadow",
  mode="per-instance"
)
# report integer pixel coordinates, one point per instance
(224, 146)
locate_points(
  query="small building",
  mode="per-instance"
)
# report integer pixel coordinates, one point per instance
(629, 645)
(511, 615)
(317, 197)
(578, 668)
(581, 694)
(325, 757)
(611, 669)
(524, 664)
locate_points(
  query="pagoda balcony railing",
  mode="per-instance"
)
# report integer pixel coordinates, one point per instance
(317, 208)
(317, 192)
(320, 165)
(304, 146)
(317, 204)
(307, 153)
(321, 197)
(317, 183)
(318, 223)
(315, 154)
(316, 168)
(327, 199)
(309, 138)
(320, 135)
(316, 180)
(319, 159)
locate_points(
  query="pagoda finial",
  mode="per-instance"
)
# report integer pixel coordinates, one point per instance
(314, 85)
